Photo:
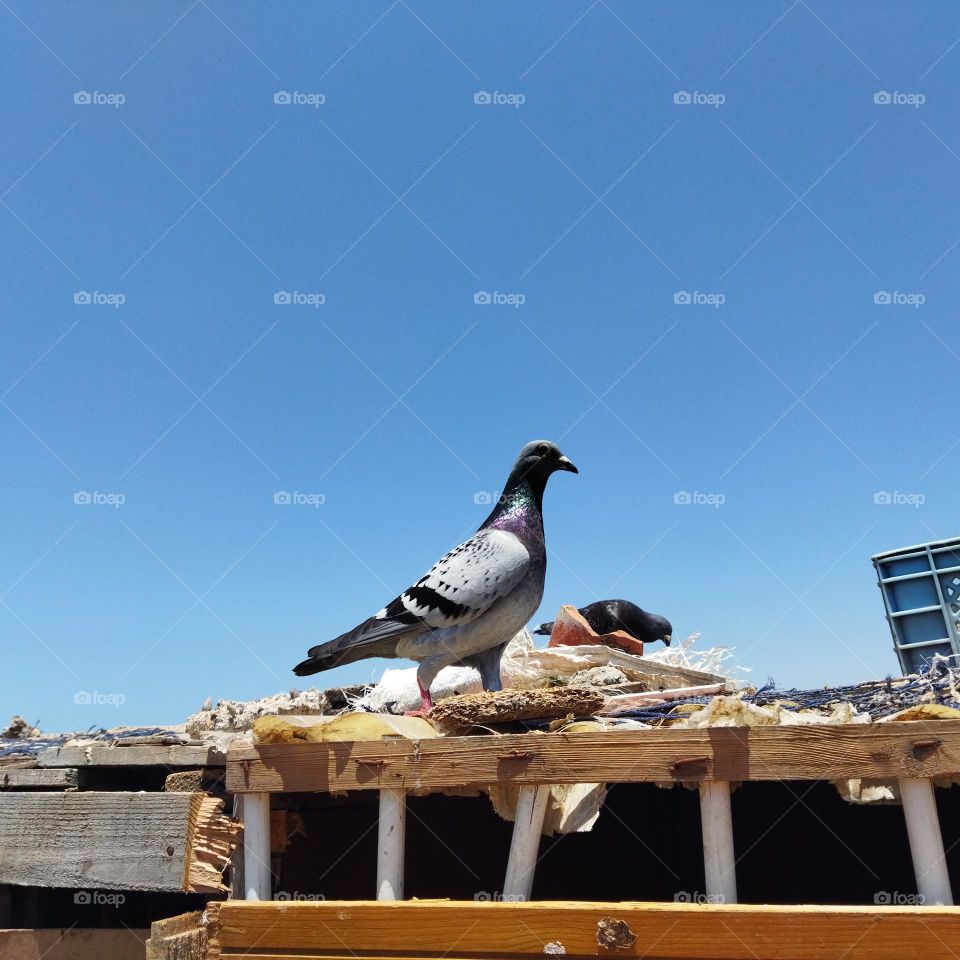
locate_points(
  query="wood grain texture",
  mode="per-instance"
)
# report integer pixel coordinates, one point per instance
(878, 750)
(102, 755)
(490, 930)
(73, 944)
(114, 841)
(211, 841)
(183, 937)
(36, 778)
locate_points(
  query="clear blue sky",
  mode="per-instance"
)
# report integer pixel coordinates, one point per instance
(581, 189)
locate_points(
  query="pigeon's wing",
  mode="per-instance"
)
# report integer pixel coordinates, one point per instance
(458, 588)
(465, 583)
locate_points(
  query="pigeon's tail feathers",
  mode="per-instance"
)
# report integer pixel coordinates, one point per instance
(545, 629)
(373, 638)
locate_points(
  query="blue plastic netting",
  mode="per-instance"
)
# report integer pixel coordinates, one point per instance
(879, 698)
(34, 745)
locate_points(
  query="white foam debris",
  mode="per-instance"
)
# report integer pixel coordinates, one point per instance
(239, 715)
(714, 660)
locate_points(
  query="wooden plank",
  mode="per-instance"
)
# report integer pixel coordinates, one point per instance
(212, 839)
(178, 938)
(37, 778)
(193, 781)
(489, 930)
(73, 944)
(114, 841)
(879, 750)
(103, 755)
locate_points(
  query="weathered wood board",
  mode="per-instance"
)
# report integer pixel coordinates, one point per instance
(103, 755)
(453, 929)
(114, 841)
(72, 944)
(38, 778)
(178, 938)
(878, 750)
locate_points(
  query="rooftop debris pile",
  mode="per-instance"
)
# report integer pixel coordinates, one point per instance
(668, 687)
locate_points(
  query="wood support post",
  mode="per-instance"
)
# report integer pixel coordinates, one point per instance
(390, 843)
(926, 843)
(525, 844)
(256, 847)
(719, 862)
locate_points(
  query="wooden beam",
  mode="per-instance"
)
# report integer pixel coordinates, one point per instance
(115, 841)
(37, 778)
(490, 930)
(878, 750)
(103, 755)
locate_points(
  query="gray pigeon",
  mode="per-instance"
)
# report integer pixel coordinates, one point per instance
(605, 616)
(469, 605)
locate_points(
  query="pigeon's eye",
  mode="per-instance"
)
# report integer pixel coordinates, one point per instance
(543, 450)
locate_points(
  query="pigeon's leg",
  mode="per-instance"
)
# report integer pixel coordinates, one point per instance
(488, 663)
(426, 673)
(426, 703)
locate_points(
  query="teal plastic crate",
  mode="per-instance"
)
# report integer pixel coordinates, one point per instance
(921, 594)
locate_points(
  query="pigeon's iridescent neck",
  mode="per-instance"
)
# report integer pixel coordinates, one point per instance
(519, 512)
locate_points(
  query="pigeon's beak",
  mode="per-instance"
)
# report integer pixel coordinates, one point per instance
(667, 639)
(564, 464)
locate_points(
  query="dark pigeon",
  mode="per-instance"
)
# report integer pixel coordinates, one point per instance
(470, 604)
(605, 616)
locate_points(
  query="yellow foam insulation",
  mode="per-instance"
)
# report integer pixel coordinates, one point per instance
(734, 712)
(346, 726)
(925, 711)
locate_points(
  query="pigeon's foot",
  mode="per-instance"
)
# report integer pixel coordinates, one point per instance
(426, 703)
